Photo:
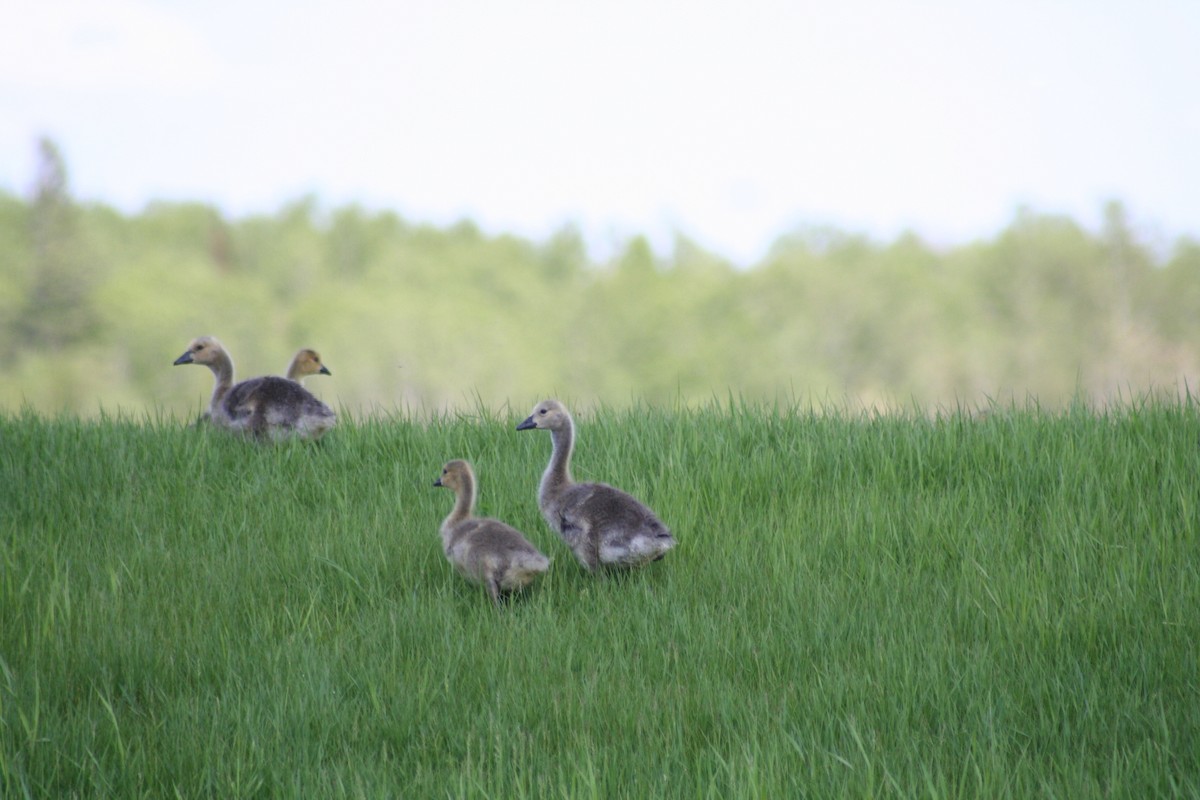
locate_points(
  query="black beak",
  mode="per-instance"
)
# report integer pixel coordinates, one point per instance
(324, 370)
(186, 358)
(438, 482)
(527, 424)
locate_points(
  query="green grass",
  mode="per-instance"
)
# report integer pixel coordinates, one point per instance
(859, 606)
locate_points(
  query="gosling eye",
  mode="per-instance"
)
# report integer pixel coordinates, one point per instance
(542, 412)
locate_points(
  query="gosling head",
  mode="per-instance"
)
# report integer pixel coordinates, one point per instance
(203, 350)
(548, 414)
(455, 475)
(308, 362)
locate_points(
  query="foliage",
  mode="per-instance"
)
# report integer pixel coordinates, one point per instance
(95, 304)
(59, 274)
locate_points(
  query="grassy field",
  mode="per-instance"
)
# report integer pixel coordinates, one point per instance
(859, 605)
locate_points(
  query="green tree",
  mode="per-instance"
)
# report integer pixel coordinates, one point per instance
(1043, 300)
(15, 256)
(57, 311)
(1175, 294)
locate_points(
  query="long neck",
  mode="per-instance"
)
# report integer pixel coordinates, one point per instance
(558, 473)
(463, 504)
(293, 373)
(222, 370)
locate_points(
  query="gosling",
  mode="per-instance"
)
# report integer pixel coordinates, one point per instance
(306, 362)
(483, 550)
(269, 407)
(603, 526)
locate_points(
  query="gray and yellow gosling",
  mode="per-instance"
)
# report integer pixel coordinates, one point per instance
(484, 550)
(603, 526)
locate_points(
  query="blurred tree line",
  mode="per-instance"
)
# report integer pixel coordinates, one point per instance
(95, 305)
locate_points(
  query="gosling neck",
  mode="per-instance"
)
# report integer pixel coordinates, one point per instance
(464, 504)
(557, 476)
(222, 370)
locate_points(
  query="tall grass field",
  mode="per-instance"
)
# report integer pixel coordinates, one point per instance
(860, 605)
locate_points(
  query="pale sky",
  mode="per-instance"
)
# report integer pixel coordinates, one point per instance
(731, 123)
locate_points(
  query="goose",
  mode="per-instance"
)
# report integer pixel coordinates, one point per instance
(306, 362)
(602, 525)
(485, 550)
(266, 407)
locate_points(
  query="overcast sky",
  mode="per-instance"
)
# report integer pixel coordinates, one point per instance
(729, 122)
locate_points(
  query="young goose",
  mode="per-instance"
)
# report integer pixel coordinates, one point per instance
(306, 362)
(485, 550)
(604, 526)
(265, 407)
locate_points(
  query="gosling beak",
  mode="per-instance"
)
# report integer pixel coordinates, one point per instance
(527, 424)
(186, 358)
(438, 482)
(324, 370)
